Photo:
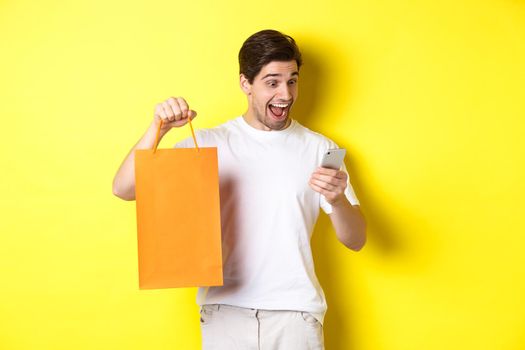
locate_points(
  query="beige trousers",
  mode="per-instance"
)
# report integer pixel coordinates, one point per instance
(225, 327)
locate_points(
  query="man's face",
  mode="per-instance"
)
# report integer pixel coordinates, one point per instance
(272, 94)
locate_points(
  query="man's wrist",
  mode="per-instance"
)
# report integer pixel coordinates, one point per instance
(341, 202)
(154, 127)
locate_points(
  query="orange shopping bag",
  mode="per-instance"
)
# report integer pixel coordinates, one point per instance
(178, 217)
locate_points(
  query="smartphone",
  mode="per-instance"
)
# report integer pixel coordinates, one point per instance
(333, 158)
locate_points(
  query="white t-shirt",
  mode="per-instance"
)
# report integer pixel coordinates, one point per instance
(268, 212)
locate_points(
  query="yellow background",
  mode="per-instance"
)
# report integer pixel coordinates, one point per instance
(427, 97)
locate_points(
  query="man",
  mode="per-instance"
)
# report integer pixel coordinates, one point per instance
(271, 188)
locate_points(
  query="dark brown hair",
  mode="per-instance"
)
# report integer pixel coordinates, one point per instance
(264, 47)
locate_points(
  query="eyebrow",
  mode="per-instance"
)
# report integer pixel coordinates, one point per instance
(278, 75)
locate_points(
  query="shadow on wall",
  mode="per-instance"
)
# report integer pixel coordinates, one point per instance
(340, 327)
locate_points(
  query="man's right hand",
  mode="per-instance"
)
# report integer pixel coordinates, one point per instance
(174, 112)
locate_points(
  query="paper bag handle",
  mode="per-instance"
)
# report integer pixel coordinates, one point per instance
(158, 135)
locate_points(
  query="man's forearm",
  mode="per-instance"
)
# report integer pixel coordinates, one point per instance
(349, 224)
(124, 181)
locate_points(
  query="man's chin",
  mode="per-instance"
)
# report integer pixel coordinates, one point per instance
(277, 124)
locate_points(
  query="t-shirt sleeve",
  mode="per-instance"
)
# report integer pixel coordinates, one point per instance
(349, 193)
(203, 140)
(186, 143)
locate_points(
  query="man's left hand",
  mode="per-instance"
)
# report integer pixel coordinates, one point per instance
(330, 183)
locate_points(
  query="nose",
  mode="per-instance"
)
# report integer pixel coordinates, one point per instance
(285, 92)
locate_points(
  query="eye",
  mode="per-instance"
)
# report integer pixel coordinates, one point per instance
(292, 82)
(271, 83)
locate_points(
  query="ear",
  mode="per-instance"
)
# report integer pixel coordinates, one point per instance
(245, 85)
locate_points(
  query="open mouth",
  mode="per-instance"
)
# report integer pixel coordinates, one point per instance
(279, 111)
